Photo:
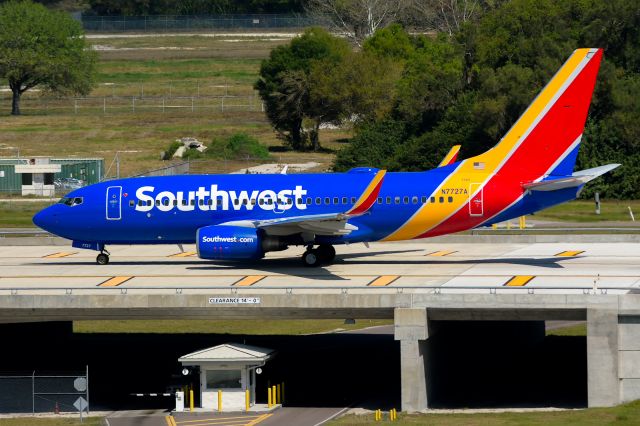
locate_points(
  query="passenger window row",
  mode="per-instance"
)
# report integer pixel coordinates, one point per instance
(308, 201)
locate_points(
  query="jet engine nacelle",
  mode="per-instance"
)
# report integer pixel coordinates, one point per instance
(235, 242)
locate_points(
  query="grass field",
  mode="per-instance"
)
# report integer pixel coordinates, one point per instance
(19, 214)
(584, 211)
(146, 67)
(628, 414)
(249, 327)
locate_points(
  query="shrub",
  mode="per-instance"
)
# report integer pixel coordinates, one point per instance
(237, 147)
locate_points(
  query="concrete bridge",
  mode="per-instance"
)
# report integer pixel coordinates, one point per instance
(423, 288)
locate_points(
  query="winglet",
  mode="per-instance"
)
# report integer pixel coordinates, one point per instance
(451, 157)
(368, 197)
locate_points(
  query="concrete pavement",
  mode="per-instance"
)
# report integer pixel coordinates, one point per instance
(385, 267)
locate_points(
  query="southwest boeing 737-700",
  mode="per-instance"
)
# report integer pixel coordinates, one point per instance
(233, 217)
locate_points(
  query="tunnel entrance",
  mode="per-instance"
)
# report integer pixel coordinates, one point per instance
(472, 364)
(485, 364)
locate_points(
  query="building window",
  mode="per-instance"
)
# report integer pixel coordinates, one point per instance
(224, 379)
(27, 179)
(48, 178)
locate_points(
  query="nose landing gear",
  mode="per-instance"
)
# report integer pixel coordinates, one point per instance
(324, 254)
(103, 257)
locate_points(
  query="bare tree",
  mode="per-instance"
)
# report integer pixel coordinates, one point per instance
(356, 19)
(448, 15)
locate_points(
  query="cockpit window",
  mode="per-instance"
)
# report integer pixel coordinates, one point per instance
(73, 201)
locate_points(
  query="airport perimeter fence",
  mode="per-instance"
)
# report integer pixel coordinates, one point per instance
(186, 23)
(37, 393)
(134, 104)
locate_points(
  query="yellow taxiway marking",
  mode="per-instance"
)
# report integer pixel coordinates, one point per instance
(183, 254)
(570, 253)
(60, 254)
(383, 280)
(260, 419)
(170, 421)
(114, 281)
(248, 420)
(249, 280)
(519, 280)
(441, 253)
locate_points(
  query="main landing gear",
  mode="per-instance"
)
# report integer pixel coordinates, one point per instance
(103, 257)
(325, 253)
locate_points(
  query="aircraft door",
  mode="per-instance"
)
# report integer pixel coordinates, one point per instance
(476, 200)
(114, 203)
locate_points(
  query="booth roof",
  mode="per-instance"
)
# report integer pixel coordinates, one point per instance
(229, 352)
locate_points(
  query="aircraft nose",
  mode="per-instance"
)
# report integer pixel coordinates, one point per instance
(44, 219)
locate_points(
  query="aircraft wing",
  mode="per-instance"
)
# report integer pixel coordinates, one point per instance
(332, 224)
(329, 224)
(576, 179)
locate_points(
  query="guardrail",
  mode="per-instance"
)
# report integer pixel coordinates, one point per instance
(593, 290)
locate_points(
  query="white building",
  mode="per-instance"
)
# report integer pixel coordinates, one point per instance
(230, 368)
(37, 176)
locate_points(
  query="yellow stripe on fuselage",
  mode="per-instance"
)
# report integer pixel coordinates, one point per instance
(432, 214)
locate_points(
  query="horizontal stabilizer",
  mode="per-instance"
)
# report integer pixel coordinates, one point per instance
(575, 180)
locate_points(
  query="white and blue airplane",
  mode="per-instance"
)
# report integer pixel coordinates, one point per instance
(232, 217)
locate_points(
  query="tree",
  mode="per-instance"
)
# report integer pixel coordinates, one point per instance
(43, 48)
(285, 82)
(448, 16)
(356, 19)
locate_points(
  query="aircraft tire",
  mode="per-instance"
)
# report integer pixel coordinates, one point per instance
(327, 253)
(102, 259)
(311, 258)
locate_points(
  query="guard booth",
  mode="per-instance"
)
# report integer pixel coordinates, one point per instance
(229, 368)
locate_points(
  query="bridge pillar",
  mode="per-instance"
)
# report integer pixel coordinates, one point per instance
(411, 328)
(603, 385)
(629, 357)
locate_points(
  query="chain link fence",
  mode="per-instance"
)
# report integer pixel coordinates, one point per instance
(38, 393)
(134, 104)
(170, 23)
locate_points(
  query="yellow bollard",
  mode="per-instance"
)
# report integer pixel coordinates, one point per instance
(278, 394)
(282, 386)
(508, 225)
(246, 399)
(219, 400)
(273, 395)
(191, 399)
(494, 226)
(523, 222)
(269, 401)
